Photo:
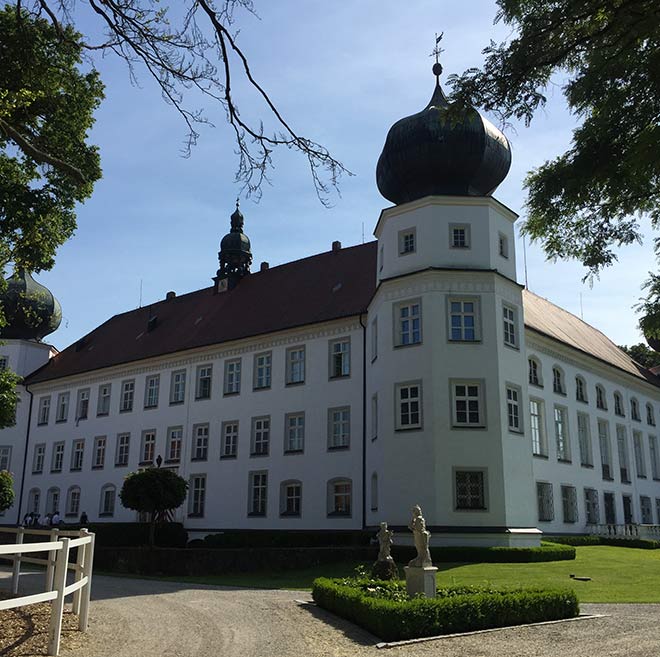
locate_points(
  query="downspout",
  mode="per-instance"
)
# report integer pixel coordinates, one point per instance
(25, 458)
(364, 423)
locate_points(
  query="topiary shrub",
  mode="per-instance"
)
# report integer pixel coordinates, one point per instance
(384, 570)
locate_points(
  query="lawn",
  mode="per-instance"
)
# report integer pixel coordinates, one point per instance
(618, 575)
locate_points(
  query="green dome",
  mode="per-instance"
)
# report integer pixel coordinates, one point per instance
(30, 309)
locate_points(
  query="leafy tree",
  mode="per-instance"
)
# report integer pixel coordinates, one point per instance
(6, 490)
(643, 355)
(154, 491)
(606, 56)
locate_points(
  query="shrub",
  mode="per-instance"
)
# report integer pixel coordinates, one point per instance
(547, 552)
(134, 534)
(643, 543)
(456, 609)
(284, 538)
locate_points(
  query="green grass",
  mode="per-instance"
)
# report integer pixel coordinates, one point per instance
(618, 575)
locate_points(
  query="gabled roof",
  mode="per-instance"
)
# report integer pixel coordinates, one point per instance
(320, 288)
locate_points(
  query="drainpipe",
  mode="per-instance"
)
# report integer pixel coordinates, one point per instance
(364, 424)
(25, 458)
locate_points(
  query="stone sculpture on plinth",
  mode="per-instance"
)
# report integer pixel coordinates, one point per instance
(420, 572)
(384, 568)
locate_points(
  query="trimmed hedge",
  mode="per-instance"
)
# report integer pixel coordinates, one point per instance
(474, 554)
(273, 538)
(588, 539)
(135, 534)
(456, 609)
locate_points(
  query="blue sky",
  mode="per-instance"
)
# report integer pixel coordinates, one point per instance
(341, 73)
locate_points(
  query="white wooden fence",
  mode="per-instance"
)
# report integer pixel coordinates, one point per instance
(57, 564)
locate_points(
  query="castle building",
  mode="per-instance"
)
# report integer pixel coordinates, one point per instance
(341, 389)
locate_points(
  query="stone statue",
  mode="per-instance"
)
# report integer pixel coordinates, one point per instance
(421, 537)
(385, 540)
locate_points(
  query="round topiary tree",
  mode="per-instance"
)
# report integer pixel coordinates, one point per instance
(6, 490)
(153, 491)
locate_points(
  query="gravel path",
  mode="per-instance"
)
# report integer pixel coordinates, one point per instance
(148, 618)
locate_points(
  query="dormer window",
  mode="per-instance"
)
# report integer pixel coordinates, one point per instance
(407, 241)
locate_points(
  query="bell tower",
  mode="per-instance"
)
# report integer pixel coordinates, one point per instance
(234, 256)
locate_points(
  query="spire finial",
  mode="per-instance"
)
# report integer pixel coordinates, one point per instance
(437, 67)
(238, 203)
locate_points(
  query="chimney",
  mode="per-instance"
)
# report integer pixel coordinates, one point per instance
(336, 246)
(264, 266)
(170, 295)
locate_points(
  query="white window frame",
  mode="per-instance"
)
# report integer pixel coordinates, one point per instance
(82, 404)
(5, 457)
(62, 413)
(514, 408)
(339, 356)
(623, 453)
(467, 396)
(98, 457)
(584, 440)
(263, 370)
(201, 433)
(534, 372)
(340, 497)
(581, 389)
(618, 405)
(558, 381)
(258, 493)
(537, 427)
(44, 411)
(197, 496)
(407, 241)
(127, 397)
(174, 444)
(148, 447)
(123, 453)
(650, 415)
(232, 378)
(203, 381)
(151, 391)
(655, 457)
(634, 410)
(454, 233)
(39, 458)
(291, 498)
(601, 397)
(230, 430)
(107, 501)
(638, 449)
(605, 447)
(408, 323)
(503, 245)
(339, 428)
(260, 436)
(57, 461)
(562, 434)
(510, 325)
(294, 433)
(103, 403)
(77, 455)
(408, 406)
(463, 328)
(646, 509)
(72, 501)
(178, 387)
(295, 365)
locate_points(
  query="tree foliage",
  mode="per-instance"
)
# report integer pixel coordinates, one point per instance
(606, 56)
(643, 355)
(6, 490)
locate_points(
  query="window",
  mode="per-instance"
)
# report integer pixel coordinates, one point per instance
(647, 509)
(618, 404)
(534, 370)
(232, 377)
(634, 410)
(339, 428)
(374, 491)
(601, 399)
(178, 387)
(103, 407)
(569, 503)
(108, 494)
(655, 464)
(561, 435)
(622, 448)
(374, 417)
(123, 448)
(514, 419)
(339, 497)
(34, 498)
(510, 322)
(73, 501)
(197, 496)
(459, 236)
(201, 444)
(470, 490)
(127, 395)
(82, 407)
(290, 498)
(58, 457)
(640, 462)
(537, 427)
(98, 460)
(53, 500)
(584, 440)
(174, 442)
(408, 406)
(407, 241)
(605, 450)
(258, 491)
(558, 381)
(151, 390)
(229, 440)
(463, 320)
(44, 410)
(203, 384)
(374, 340)
(544, 501)
(62, 407)
(260, 436)
(3, 363)
(650, 415)
(408, 323)
(340, 358)
(468, 406)
(580, 389)
(295, 365)
(294, 432)
(148, 447)
(591, 506)
(38, 460)
(5, 457)
(262, 370)
(77, 454)
(503, 245)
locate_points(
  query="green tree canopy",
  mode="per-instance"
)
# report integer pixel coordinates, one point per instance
(643, 355)
(606, 54)
(6, 490)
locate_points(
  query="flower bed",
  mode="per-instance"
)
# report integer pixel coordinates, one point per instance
(384, 609)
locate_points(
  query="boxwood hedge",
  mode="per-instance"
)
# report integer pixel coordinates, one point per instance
(376, 607)
(588, 539)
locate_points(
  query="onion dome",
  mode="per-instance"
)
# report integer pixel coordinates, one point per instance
(442, 151)
(30, 309)
(235, 256)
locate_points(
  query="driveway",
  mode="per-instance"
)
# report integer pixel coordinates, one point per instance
(147, 618)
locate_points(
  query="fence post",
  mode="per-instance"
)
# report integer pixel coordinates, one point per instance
(88, 564)
(80, 560)
(57, 605)
(16, 569)
(52, 556)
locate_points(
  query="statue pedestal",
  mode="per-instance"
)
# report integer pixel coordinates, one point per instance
(420, 580)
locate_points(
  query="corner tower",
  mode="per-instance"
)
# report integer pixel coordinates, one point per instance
(447, 380)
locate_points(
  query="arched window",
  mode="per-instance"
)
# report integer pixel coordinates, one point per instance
(650, 415)
(53, 500)
(291, 498)
(634, 409)
(601, 399)
(534, 369)
(73, 501)
(374, 491)
(34, 500)
(107, 506)
(340, 494)
(580, 389)
(618, 404)
(558, 384)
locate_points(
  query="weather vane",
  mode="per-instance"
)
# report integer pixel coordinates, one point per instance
(437, 67)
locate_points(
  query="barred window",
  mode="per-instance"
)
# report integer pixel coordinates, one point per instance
(569, 503)
(591, 506)
(545, 502)
(470, 490)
